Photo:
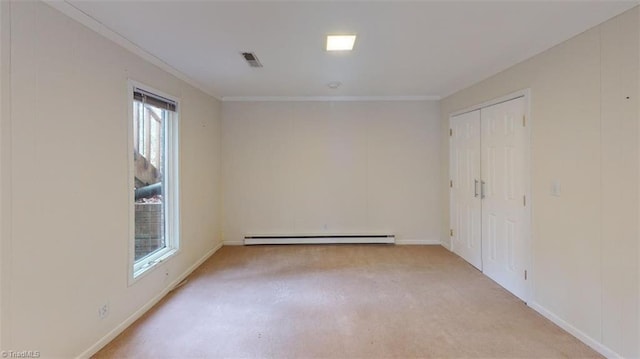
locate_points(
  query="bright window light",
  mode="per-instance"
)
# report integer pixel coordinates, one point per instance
(340, 42)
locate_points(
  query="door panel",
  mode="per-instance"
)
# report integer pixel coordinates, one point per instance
(504, 171)
(465, 190)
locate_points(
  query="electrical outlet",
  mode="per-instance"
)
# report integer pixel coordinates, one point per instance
(103, 311)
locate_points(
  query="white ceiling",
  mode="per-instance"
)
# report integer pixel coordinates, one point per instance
(424, 48)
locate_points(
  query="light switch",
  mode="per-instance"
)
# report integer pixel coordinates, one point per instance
(555, 188)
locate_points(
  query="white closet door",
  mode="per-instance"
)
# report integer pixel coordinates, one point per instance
(465, 187)
(504, 212)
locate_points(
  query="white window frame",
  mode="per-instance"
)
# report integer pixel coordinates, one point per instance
(171, 188)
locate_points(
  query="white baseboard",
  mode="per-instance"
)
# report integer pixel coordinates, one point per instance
(233, 243)
(419, 242)
(593, 343)
(447, 245)
(136, 315)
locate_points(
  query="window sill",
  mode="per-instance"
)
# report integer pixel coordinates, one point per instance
(151, 264)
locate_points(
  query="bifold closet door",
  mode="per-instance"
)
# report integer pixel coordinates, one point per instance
(465, 187)
(504, 206)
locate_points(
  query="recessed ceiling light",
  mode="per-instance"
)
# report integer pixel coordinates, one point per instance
(334, 84)
(340, 42)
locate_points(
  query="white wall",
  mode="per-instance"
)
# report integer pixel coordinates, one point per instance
(4, 114)
(69, 221)
(585, 135)
(331, 167)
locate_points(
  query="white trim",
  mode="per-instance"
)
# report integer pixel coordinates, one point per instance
(418, 242)
(529, 189)
(526, 93)
(233, 243)
(583, 337)
(140, 312)
(326, 98)
(446, 245)
(131, 183)
(172, 179)
(95, 25)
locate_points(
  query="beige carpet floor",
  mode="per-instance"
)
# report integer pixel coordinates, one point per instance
(341, 301)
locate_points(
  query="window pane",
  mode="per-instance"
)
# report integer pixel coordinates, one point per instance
(150, 206)
(154, 140)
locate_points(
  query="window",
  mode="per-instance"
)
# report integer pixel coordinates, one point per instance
(154, 175)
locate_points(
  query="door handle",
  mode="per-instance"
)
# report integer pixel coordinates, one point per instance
(475, 188)
(482, 183)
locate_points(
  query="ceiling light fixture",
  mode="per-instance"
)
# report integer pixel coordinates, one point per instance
(334, 84)
(340, 42)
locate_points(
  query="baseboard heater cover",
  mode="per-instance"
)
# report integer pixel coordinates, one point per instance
(320, 239)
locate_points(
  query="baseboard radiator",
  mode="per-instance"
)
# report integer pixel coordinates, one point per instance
(320, 239)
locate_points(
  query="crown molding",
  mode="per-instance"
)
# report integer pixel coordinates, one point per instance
(95, 25)
(326, 98)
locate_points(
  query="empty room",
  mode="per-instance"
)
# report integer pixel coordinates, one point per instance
(319, 179)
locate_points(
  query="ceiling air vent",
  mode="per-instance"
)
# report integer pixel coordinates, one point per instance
(252, 59)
